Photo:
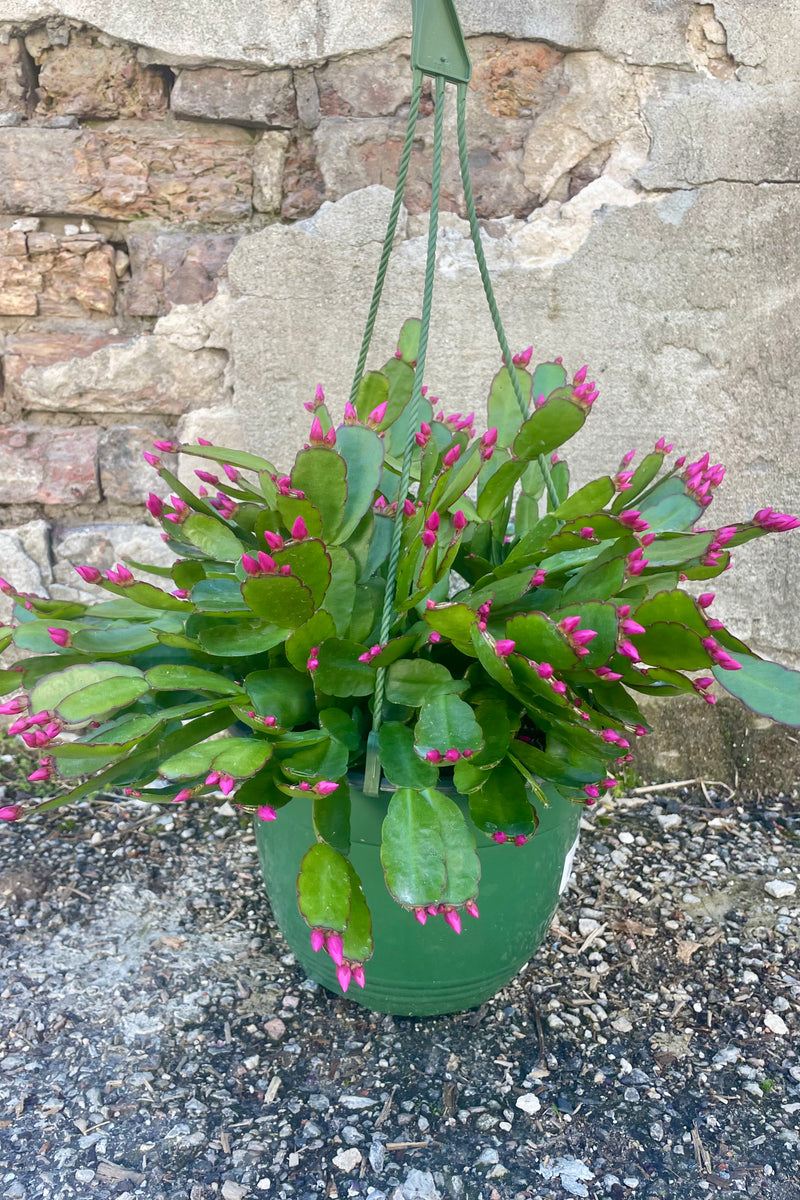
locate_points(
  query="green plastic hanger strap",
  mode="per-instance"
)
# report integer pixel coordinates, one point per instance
(437, 46)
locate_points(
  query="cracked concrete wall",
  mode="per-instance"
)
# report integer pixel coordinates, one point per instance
(635, 164)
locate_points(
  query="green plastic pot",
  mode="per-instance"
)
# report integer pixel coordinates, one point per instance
(423, 971)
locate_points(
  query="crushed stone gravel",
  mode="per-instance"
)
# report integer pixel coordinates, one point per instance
(158, 1041)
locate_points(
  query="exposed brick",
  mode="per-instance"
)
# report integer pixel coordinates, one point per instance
(122, 476)
(47, 275)
(244, 97)
(89, 79)
(303, 182)
(366, 85)
(131, 169)
(514, 79)
(45, 465)
(36, 350)
(174, 268)
(16, 78)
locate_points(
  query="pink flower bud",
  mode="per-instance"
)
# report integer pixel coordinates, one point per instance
(377, 415)
(459, 521)
(520, 839)
(299, 530)
(316, 434)
(706, 599)
(267, 813)
(523, 358)
(580, 376)
(499, 837)
(489, 438)
(10, 812)
(452, 755)
(317, 940)
(312, 664)
(453, 919)
(250, 564)
(434, 756)
(472, 909)
(568, 624)
(358, 974)
(586, 532)
(581, 637)
(421, 915)
(326, 786)
(538, 578)
(631, 628)
(226, 784)
(592, 790)
(334, 946)
(428, 538)
(152, 459)
(61, 637)
(39, 774)
(629, 650)
(559, 686)
(207, 477)
(154, 506)
(344, 975)
(266, 563)
(544, 670)
(12, 707)
(452, 456)
(183, 794)
(212, 779)
(504, 647)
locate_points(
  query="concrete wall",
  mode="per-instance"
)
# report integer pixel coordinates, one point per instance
(636, 169)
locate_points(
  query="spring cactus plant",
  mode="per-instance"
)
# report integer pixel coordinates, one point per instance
(527, 620)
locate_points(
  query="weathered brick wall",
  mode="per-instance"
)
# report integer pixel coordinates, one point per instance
(126, 182)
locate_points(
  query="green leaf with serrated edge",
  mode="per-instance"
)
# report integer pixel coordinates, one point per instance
(360, 543)
(462, 865)
(616, 702)
(239, 757)
(55, 687)
(149, 596)
(50, 608)
(118, 735)
(559, 478)
(765, 687)
(323, 888)
(536, 692)
(340, 592)
(547, 378)
(394, 649)
(121, 639)
(33, 636)
(672, 606)
(536, 636)
(643, 476)
(325, 759)
(380, 545)
(412, 850)
(575, 769)
(362, 451)
(503, 407)
(236, 458)
(675, 549)
(588, 499)
(711, 572)
(446, 722)
(399, 761)
(460, 477)
(340, 673)
(529, 548)
(315, 631)
(281, 599)
(187, 572)
(367, 603)
(602, 618)
(596, 582)
(261, 789)
(357, 942)
(343, 727)
(502, 804)
(452, 621)
(467, 777)
(501, 592)
(397, 433)
(604, 527)
(533, 480)
(283, 694)
(669, 644)
(212, 537)
(218, 595)
(494, 494)
(10, 681)
(372, 391)
(331, 817)
(669, 508)
(234, 639)
(497, 728)
(411, 680)
(167, 677)
(550, 426)
(292, 507)
(320, 473)
(98, 699)
(151, 568)
(310, 563)
(408, 342)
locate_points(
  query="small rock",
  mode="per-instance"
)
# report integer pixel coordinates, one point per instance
(622, 1024)
(275, 1029)
(487, 1158)
(377, 1156)
(631, 1095)
(657, 1131)
(84, 1175)
(351, 1135)
(319, 1102)
(233, 1191)
(529, 1103)
(10, 120)
(356, 1102)
(669, 820)
(347, 1160)
(776, 1024)
(626, 838)
(779, 889)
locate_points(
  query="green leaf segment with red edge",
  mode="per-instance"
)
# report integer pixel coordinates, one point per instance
(526, 621)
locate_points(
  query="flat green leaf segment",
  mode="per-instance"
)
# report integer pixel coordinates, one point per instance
(765, 687)
(427, 851)
(238, 757)
(330, 897)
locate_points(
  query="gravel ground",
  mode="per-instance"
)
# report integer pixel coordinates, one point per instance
(157, 1041)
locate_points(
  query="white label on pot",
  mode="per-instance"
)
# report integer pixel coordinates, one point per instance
(567, 872)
